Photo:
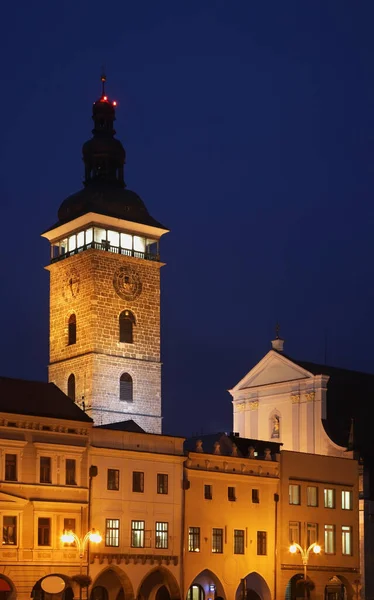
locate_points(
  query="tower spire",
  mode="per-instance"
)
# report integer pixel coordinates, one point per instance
(103, 80)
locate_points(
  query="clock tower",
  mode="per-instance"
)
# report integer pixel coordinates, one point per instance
(105, 289)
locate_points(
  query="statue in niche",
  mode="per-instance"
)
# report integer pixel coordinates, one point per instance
(275, 427)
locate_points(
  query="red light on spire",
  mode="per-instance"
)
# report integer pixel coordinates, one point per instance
(105, 98)
(114, 103)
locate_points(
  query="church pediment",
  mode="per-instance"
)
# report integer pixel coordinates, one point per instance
(273, 368)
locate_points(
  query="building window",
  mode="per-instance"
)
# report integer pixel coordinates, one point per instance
(329, 539)
(162, 483)
(112, 532)
(255, 496)
(10, 531)
(346, 500)
(70, 472)
(45, 469)
(113, 479)
(11, 467)
(238, 541)
(329, 497)
(44, 531)
(294, 532)
(161, 534)
(217, 540)
(137, 534)
(138, 481)
(208, 491)
(261, 543)
(125, 388)
(294, 493)
(71, 387)
(69, 525)
(126, 322)
(195, 592)
(72, 330)
(312, 495)
(231, 494)
(194, 539)
(346, 540)
(311, 533)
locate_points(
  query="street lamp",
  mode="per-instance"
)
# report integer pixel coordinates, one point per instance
(69, 537)
(305, 557)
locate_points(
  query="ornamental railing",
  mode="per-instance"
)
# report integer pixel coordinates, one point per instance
(107, 247)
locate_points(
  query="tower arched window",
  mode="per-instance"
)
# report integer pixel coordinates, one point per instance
(72, 330)
(71, 387)
(126, 324)
(125, 387)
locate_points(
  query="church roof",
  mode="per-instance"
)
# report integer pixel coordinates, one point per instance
(129, 425)
(38, 398)
(350, 395)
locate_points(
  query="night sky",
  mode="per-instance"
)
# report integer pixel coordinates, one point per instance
(249, 131)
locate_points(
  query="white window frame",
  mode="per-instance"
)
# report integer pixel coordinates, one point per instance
(45, 515)
(58, 454)
(347, 540)
(18, 515)
(308, 502)
(330, 529)
(294, 486)
(347, 505)
(327, 497)
(11, 447)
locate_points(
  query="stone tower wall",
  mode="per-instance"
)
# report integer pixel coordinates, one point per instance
(83, 284)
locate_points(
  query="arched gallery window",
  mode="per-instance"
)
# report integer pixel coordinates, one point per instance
(125, 387)
(72, 330)
(71, 387)
(126, 323)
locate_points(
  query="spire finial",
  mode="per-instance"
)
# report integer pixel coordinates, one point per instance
(277, 331)
(103, 80)
(278, 343)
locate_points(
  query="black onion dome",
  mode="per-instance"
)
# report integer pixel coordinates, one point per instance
(106, 199)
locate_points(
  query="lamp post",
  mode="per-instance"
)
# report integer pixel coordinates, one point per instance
(69, 537)
(305, 557)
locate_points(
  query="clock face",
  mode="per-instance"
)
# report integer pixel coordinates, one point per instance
(71, 285)
(127, 283)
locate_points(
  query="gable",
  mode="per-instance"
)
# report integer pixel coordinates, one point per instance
(273, 368)
(11, 498)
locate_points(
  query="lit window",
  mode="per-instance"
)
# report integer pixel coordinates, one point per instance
(346, 540)
(329, 498)
(312, 495)
(294, 532)
(346, 500)
(261, 543)
(112, 532)
(9, 531)
(311, 533)
(71, 387)
(194, 539)
(137, 534)
(162, 483)
(11, 467)
(161, 535)
(69, 525)
(113, 479)
(138, 481)
(294, 494)
(139, 244)
(217, 540)
(238, 541)
(195, 592)
(126, 322)
(125, 388)
(72, 330)
(208, 492)
(329, 539)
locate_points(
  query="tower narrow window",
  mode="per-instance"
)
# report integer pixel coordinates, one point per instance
(71, 387)
(72, 330)
(126, 323)
(125, 387)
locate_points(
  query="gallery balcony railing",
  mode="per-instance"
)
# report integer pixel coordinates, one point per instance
(107, 247)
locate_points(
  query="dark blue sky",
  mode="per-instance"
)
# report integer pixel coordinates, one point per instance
(249, 131)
